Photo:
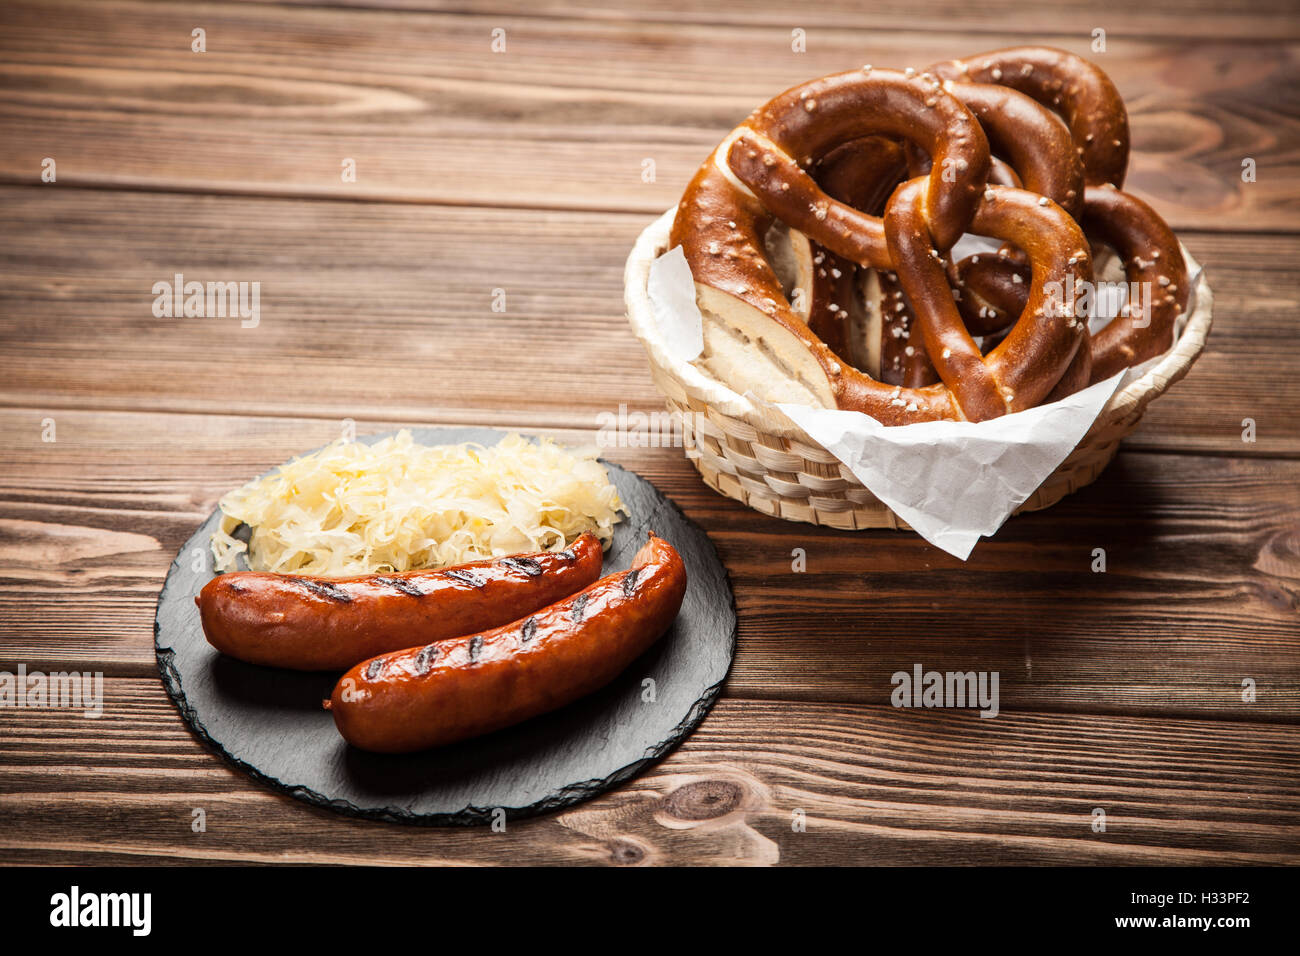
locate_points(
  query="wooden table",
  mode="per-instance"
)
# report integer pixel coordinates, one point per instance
(531, 170)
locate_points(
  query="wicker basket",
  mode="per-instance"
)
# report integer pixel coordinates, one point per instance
(772, 466)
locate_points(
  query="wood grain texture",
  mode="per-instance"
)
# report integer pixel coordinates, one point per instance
(1201, 591)
(385, 312)
(875, 785)
(567, 115)
(1162, 19)
(523, 172)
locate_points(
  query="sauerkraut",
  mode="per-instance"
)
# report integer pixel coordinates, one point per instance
(353, 508)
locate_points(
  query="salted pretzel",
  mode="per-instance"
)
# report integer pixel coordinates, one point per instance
(1069, 85)
(1092, 147)
(900, 340)
(861, 173)
(1041, 346)
(783, 230)
(1035, 147)
(759, 175)
(1093, 112)
(1152, 261)
(1038, 154)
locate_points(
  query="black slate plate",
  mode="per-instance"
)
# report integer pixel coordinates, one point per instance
(269, 722)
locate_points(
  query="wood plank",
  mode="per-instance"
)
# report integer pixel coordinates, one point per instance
(875, 785)
(563, 119)
(392, 307)
(1201, 589)
(382, 314)
(1209, 19)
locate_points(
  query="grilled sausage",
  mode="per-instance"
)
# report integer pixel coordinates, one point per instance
(314, 623)
(441, 693)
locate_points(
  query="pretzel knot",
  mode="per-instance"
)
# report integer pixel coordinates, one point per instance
(818, 233)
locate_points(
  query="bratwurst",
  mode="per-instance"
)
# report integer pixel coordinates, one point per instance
(315, 623)
(451, 690)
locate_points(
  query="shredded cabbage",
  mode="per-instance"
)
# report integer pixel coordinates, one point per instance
(352, 508)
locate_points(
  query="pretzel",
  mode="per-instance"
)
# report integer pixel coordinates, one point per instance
(758, 174)
(1098, 124)
(1040, 156)
(783, 230)
(1068, 84)
(904, 358)
(993, 290)
(899, 335)
(1152, 260)
(1022, 370)
(990, 292)
(1036, 148)
(1151, 254)
(771, 150)
(861, 173)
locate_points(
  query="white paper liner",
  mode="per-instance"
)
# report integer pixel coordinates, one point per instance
(953, 482)
(672, 296)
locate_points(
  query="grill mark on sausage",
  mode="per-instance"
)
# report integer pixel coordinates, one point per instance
(466, 577)
(526, 565)
(529, 631)
(236, 587)
(475, 647)
(629, 581)
(567, 554)
(401, 584)
(324, 589)
(424, 660)
(579, 607)
(373, 668)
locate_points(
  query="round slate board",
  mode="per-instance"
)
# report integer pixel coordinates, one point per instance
(270, 723)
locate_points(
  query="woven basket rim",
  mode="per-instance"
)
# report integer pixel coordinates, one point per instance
(653, 241)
